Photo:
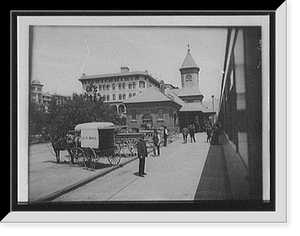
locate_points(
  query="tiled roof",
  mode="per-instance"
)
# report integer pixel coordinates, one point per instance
(152, 94)
(194, 91)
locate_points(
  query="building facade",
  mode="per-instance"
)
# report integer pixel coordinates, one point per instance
(38, 96)
(36, 93)
(118, 87)
(152, 108)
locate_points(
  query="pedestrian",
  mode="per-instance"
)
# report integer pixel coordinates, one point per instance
(208, 133)
(156, 143)
(165, 136)
(142, 154)
(192, 133)
(185, 133)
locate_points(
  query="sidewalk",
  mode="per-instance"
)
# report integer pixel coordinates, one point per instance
(174, 176)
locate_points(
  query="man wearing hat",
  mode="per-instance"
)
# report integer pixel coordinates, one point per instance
(142, 154)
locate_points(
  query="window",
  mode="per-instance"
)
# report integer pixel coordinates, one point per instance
(133, 94)
(107, 97)
(129, 86)
(114, 96)
(107, 87)
(113, 86)
(104, 87)
(160, 113)
(133, 113)
(142, 84)
(147, 118)
(130, 95)
(120, 96)
(100, 87)
(120, 86)
(134, 85)
(124, 85)
(124, 96)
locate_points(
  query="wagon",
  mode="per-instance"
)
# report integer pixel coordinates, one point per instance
(97, 140)
(126, 143)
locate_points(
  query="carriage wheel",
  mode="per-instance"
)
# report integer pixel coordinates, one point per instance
(129, 148)
(115, 159)
(91, 158)
(79, 156)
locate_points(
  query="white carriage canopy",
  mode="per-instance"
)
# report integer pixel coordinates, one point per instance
(94, 125)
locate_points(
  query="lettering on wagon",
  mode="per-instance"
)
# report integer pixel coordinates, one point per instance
(89, 138)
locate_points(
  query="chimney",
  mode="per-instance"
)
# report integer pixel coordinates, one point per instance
(162, 86)
(124, 69)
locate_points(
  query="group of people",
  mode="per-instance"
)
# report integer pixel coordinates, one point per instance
(189, 130)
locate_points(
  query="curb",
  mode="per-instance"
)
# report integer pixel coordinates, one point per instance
(72, 187)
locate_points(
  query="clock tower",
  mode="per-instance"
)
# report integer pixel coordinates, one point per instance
(189, 70)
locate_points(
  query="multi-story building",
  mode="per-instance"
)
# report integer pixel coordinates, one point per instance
(37, 92)
(39, 97)
(118, 87)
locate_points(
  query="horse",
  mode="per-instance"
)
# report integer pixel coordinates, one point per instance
(66, 142)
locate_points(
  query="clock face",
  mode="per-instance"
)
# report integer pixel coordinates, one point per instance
(188, 78)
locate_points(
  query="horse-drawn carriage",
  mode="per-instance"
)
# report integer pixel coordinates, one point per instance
(91, 141)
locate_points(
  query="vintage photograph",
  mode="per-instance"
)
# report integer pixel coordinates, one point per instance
(145, 114)
(134, 112)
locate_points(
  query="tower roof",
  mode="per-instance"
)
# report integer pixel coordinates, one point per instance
(189, 61)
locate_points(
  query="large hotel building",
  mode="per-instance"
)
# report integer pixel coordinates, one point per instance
(118, 87)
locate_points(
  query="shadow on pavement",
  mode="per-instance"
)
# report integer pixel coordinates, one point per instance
(214, 183)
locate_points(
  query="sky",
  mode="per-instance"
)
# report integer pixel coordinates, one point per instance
(61, 54)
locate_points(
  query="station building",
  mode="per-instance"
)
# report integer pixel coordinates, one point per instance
(147, 102)
(169, 105)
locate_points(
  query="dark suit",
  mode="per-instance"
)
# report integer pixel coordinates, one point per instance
(142, 154)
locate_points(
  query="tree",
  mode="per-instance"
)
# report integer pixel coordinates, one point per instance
(80, 108)
(37, 118)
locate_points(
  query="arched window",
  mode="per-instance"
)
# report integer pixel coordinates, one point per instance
(100, 88)
(107, 97)
(133, 85)
(104, 87)
(107, 87)
(114, 96)
(124, 96)
(120, 96)
(129, 86)
(113, 86)
(120, 86)
(130, 95)
(147, 119)
(123, 85)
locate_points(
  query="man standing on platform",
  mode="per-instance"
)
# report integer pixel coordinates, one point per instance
(185, 133)
(142, 154)
(165, 136)
(192, 132)
(156, 143)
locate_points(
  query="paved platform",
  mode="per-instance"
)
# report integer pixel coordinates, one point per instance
(183, 171)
